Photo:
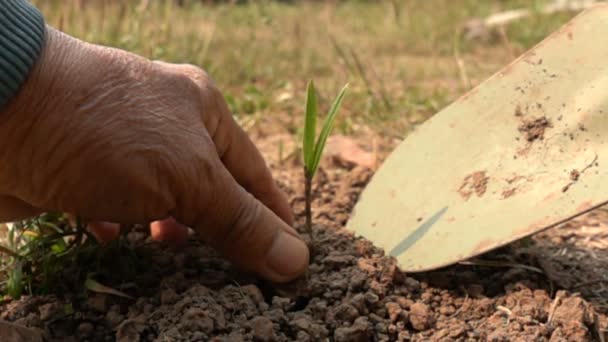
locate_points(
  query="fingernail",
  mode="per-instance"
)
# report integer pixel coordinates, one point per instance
(169, 230)
(104, 232)
(288, 257)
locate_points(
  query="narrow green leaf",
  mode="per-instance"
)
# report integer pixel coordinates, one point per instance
(14, 285)
(11, 235)
(59, 247)
(310, 126)
(68, 309)
(94, 286)
(326, 130)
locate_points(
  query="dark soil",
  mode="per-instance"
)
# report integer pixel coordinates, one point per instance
(534, 129)
(529, 292)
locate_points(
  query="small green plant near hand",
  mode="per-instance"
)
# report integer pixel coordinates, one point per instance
(312, 150)
(35, 251)
(49, 254)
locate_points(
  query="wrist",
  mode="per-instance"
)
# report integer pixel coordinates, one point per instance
(39, 96)
(35, 93)
(70, 83)
(21, 40)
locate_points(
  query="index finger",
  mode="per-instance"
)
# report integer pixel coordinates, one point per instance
(242, 159)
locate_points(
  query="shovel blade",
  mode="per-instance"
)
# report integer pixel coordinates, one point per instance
(524, 151)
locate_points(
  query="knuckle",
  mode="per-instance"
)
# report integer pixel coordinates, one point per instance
(197, 75)
(195, 79)
(242, 227)
(199, 85)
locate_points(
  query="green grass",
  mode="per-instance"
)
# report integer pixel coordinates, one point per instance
(398, 56)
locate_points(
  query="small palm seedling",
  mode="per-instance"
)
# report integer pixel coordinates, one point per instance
(312, 150)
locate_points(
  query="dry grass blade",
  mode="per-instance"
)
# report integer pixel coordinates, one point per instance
(598, 330)
(95, 286)
(556, 301)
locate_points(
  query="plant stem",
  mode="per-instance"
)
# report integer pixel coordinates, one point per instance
(7, 251)
(308, 199)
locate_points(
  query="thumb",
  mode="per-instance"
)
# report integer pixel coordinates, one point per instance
(247, 232)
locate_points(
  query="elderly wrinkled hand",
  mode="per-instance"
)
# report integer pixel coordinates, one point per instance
(113, 137)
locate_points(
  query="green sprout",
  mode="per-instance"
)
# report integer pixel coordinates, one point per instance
(312, 151)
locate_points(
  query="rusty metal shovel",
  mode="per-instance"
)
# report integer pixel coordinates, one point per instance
(524, 151)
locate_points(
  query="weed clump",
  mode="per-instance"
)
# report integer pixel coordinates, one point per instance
(51, 254)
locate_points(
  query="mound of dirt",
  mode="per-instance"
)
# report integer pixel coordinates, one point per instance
(352, 292)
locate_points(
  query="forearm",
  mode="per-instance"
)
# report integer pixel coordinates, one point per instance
(22, 34)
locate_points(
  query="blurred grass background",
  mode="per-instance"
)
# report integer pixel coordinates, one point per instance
(404, 59)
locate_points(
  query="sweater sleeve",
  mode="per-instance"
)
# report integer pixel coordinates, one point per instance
(22, 32)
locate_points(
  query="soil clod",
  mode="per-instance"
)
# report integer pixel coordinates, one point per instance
(475, 183)
(534, 129)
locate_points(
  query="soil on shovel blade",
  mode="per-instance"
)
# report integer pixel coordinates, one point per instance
(549, 288)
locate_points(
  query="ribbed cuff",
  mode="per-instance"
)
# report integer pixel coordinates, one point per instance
(22, 33)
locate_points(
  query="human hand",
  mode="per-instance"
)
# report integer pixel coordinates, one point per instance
(113, 137)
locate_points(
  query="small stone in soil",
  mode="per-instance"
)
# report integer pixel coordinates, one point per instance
(411, 284)
(405, 303)
(50, 310)
(262, 329)
(254, 293)
(420, 316)
(129, 330)
(358, 301)
(394, 310)
(337, 261)
(196, 319)
(303, 337)
(114, 317)
(168, 296)
(358, 332)
(234, 337)
(307, 324)
(371, 298)
(447, 310)
(99, 302)
(85, 329)
(280, 302)
(344, 312)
